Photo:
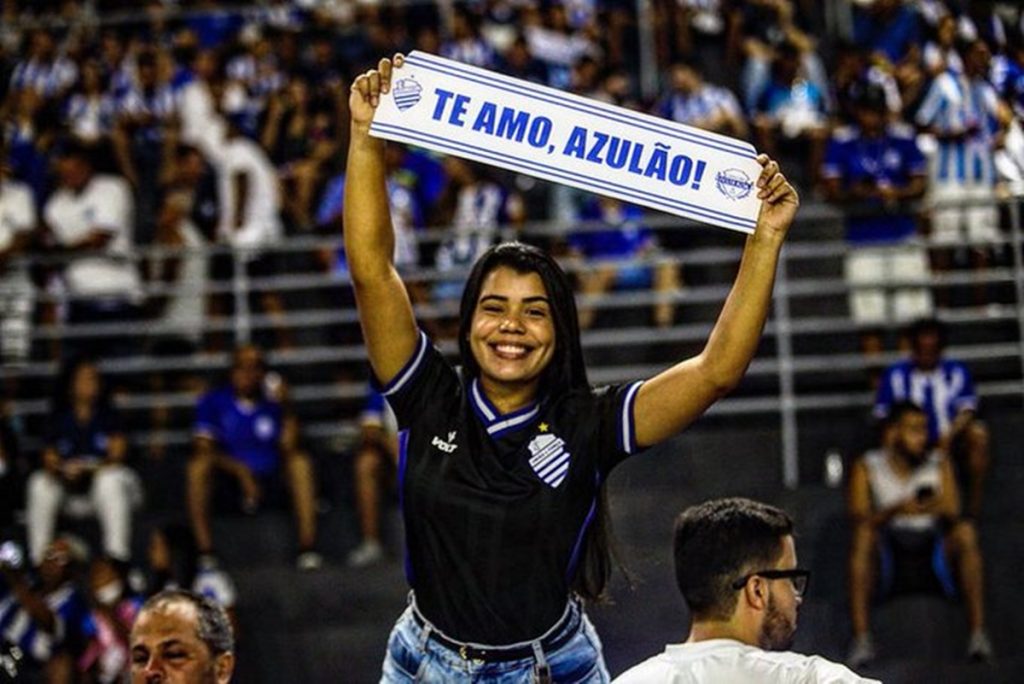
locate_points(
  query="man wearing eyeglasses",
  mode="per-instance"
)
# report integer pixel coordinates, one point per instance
(736, 567)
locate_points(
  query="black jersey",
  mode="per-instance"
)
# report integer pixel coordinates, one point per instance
(497, 507)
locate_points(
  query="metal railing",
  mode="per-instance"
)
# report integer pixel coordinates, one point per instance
(780, 369)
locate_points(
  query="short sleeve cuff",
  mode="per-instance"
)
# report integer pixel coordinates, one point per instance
(627, 424)
(409, 370)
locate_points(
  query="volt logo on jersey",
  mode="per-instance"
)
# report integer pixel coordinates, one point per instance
(446, 446)
(549, 459)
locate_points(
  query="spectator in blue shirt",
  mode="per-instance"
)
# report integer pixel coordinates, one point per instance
(615, 251)
(888, 28)
(46, 617)
(945, 392)
(243, 432)
(875, 170)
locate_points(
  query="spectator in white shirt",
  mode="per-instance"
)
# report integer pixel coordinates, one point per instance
(17, 223)
(90, 216)
(736, 567)
(250, 221)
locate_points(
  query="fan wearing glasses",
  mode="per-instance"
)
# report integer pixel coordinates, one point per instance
(736, 566)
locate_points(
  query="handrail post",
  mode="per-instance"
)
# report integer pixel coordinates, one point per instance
(240, 290)
(1018, 275)
(787, 398)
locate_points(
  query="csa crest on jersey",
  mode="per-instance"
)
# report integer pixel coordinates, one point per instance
(549, 459)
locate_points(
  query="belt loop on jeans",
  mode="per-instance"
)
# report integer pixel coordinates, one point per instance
(541, 671)
(425, 637)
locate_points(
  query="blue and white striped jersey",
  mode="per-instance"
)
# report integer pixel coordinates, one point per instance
(942, 392)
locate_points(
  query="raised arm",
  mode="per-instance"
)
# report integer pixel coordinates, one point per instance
(385, 311)
(671, 400)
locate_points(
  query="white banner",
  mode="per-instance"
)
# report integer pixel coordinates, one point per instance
(481, 115)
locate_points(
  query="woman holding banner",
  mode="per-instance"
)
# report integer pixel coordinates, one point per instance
(503, 463)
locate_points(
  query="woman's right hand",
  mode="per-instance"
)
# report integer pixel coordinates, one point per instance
(367, 89)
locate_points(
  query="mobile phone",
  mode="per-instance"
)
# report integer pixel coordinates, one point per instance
(11, 555)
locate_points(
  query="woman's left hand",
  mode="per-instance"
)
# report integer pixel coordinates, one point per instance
(779, 201)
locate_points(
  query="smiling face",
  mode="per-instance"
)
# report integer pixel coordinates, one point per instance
(512, 336)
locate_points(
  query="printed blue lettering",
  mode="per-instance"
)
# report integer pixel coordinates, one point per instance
(618, 152)
(634, 161)
(540, 131)
(680, 169)
(600, 140)
(576, 145)
(485, 119)
(458, 110)
(442, 99)
(512, 124)
(658, 162)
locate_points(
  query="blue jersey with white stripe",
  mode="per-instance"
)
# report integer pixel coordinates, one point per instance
(73, 622)
(966, 108)
(498, 506)
(942, 392)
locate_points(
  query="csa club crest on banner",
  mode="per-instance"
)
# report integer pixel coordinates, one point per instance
(549, 459)
(407, 92)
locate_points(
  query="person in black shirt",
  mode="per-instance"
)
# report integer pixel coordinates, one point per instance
(502, 464)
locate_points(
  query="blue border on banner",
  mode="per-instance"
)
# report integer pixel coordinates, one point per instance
(696, 211)
(419, 60)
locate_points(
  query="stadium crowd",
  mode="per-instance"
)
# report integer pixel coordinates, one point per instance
(216, 131)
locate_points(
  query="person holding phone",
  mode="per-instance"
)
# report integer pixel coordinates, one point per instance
(503, 464)
(908, 533)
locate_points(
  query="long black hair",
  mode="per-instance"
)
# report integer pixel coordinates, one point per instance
(566, 372)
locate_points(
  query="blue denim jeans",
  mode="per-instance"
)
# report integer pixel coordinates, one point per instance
(413, 657)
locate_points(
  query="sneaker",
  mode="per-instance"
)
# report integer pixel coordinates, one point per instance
(308, 561)
(979, 647)
(367, 553)
(862, 651)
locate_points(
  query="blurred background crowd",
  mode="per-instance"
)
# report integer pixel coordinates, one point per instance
(171, 187)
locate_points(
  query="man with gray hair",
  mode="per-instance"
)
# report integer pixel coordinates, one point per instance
(181, 637)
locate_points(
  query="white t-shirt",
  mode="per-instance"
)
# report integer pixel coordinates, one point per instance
(725, 661)
(17, 215)
(261, 224)
(105, 203)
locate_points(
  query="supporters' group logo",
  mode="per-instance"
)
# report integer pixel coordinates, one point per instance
(407, 92)
(549, 459)
(733, 183)
(264, 427)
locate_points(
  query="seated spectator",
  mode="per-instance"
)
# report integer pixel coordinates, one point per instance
(943, 388)
(736, 566)
(44, 70)
(84, 467)
(874, 169)
(940, 54)
(791, 108)
(607, 258)
(466, 43)
(114, 608)
(694, 102)
(908, 534)
(375, 460)
(44, 614)
(91, 218)
(243, 433)
(181, 636)
(17, 294)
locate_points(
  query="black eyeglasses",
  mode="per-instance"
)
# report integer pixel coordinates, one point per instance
(799, 577)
